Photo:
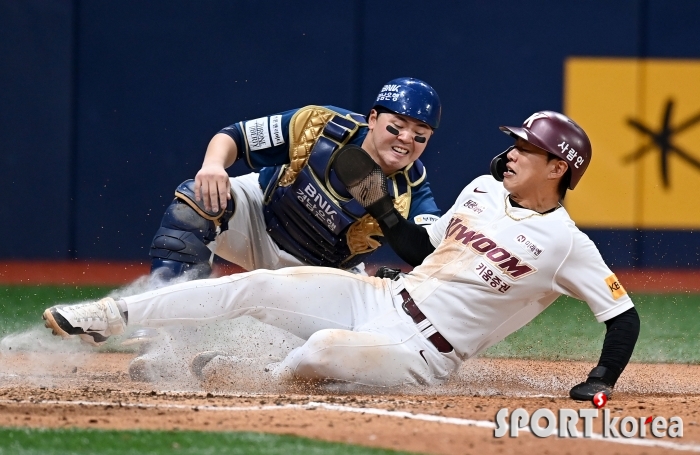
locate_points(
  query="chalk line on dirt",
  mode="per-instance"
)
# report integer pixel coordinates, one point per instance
(339, 408)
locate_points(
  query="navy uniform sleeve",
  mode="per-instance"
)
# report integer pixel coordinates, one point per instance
(263, 141)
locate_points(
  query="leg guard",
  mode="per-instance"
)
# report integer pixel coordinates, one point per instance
(185, 231)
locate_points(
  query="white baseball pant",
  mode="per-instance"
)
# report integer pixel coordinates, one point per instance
(246, 242)
(354, 326)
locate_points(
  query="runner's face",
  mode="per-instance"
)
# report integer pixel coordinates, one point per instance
(527, 169)
(395, 141)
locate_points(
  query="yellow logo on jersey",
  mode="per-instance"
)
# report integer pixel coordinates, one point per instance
(615, 287)
(643, 119)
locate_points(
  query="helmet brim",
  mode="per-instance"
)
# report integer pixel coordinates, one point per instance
(517, 132)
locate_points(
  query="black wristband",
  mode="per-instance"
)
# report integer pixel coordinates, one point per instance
(383, 211)
(411, 242)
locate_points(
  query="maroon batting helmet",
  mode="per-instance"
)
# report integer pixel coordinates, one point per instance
(554, 133)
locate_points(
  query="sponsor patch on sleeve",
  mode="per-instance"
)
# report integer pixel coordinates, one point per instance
(276, 130)
(257, 133)
(424, 220)
(615, 287)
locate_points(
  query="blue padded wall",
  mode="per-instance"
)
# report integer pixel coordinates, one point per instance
(107, 106)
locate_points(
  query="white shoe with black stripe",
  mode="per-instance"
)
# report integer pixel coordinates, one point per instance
(94, 322)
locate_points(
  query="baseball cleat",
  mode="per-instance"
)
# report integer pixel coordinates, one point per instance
(586, 391)
(93, 322)
(201, 360)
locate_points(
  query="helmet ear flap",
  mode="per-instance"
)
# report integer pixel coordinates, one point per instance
(498, 164)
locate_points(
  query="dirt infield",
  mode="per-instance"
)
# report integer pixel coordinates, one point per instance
(93, 390)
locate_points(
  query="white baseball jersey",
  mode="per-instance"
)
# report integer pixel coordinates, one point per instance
(496, 267)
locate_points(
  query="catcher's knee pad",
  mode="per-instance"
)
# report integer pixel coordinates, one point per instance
(180, 244)
(185, 192)
(167, 269)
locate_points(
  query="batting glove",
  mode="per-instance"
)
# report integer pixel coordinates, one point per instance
(388, 272)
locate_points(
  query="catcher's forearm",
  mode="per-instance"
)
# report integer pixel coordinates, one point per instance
(620, 338)
(221, 151)
(410, 241)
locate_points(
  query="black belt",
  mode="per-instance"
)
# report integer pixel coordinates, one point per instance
(411, 309)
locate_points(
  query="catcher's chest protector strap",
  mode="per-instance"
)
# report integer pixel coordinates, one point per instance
(307, 126)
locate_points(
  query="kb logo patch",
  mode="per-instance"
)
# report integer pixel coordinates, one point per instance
(615, 287)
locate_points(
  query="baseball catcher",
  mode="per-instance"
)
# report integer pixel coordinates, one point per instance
(295, 211)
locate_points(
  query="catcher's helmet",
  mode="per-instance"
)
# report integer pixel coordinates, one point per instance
(554, 133)
(411, 97)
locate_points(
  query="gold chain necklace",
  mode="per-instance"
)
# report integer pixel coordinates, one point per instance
(505, 209)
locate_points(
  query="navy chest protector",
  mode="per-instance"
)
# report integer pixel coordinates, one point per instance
(308, 212)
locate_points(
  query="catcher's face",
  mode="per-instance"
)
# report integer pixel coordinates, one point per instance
(394, 141)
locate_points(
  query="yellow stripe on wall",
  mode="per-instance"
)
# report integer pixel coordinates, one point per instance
(623, 186)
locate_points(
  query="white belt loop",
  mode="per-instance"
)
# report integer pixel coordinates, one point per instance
(423, 325)
(396, 288)
(429, 331)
